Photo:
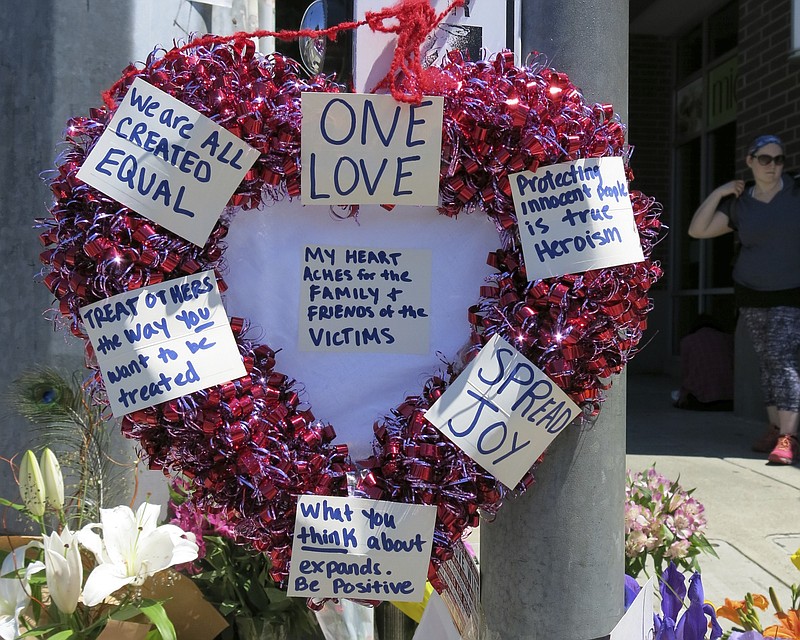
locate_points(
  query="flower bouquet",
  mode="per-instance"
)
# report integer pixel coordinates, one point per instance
(69, 515)
(236, 580)
(662, 522)
(677, 621)
(745, 615)
(73, 584)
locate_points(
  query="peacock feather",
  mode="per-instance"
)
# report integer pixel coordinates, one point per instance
(97, 465)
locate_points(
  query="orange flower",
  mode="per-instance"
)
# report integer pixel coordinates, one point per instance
(733, 609)
(730, 610)
(789, 626)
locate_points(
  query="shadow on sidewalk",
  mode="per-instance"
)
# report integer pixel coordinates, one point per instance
(655, 427)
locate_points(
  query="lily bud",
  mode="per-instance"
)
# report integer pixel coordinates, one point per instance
(31, 484)
(53, 480)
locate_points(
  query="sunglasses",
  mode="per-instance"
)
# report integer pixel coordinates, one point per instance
(765, 160)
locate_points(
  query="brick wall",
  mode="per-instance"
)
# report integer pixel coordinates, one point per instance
(650, 121)
(768, 85)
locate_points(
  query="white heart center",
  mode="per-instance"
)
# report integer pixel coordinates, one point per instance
(347, 384)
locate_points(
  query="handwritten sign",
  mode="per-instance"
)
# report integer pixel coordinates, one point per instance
(361, 549)
(574, 217)
(360, 149)
(637, 623)
(162, 342)
(367, 300)
(167, 162)
(502, 411)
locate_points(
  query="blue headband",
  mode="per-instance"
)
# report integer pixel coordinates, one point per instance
(763, 141)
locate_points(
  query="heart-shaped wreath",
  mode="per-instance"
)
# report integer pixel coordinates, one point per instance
(250, 446)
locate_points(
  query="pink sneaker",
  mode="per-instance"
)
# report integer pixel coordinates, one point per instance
(785, 452)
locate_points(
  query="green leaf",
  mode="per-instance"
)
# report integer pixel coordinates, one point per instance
(62, 635)
(706, 547)
(38, 579)
(44, 630)
(13, 505)
(125, 613)
(156, 613)
(257, 595)
(280, 606)
(276, 595)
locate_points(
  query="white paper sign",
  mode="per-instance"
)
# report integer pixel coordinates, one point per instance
(365, 300)
(361, 149)
(360, 549)
(502, 411)
(167, 162)
(162, 342)
(480, 27)
(637, 623)
(574, 217)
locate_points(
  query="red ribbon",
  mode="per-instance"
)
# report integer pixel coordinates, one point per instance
(415, 19)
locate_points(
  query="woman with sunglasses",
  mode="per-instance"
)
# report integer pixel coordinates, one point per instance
(766, 275)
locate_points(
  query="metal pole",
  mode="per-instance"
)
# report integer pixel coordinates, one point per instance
(552, 563)
(587, 39)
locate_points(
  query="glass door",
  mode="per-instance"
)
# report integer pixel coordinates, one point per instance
(705, 157)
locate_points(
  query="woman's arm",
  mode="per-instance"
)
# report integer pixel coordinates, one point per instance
(708, 221)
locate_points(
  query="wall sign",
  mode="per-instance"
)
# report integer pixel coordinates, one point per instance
(365, 300)
(361, 149)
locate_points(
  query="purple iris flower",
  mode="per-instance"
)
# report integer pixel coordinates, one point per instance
(632, 590)
(673, 591)
(665, 629)
(692, 624)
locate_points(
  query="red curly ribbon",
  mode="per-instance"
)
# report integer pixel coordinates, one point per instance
(415, 20)
(251, 446)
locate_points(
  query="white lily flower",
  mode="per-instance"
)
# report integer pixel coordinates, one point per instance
(133, 547)
(31, 484)
(64, 569)
(14, 593)
(53, 480)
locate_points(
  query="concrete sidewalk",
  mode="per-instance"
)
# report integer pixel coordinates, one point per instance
(752, 508)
